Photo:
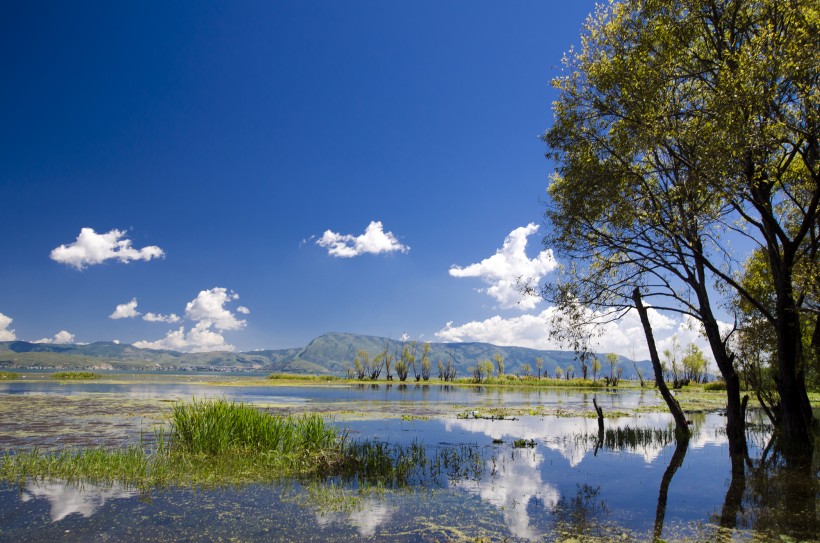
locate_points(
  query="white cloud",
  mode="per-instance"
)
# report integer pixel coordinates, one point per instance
(5, 333)
(60, 338)
(68, 499)
(212, 318)
(533, 331)
(199, 339)
(91, 248)
(507, 266)
(157, 317)
(374, 240)
(244, 310)
(209, 306)
(125, 311)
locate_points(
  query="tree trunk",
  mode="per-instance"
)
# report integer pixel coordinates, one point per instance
(795, 409)
(681, 426)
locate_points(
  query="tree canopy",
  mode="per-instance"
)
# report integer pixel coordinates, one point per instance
(678, 126)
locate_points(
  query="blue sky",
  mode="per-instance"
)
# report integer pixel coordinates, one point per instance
(253, 174)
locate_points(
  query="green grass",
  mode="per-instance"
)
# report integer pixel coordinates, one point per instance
(715, 385)
(511, 380)
(217, 443)
(218, 427)
(303, 377)
(75, 375)
(8, 375)
(210, 442)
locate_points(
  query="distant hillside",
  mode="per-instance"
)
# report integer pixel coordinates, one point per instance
(329, 354)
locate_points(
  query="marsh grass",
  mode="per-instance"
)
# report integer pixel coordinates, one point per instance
(210, 442)
(217, 427)
(8, 375)
(215, 443)
(304, 377)
(75, 375)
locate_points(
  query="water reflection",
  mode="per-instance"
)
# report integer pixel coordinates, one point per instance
(513, 483)
(365, 518)
(66, 499)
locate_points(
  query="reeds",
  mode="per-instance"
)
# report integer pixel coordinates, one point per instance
(8, 375)
(209, 442)
(219, 427)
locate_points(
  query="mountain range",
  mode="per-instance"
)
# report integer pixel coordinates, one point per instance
(328, 354)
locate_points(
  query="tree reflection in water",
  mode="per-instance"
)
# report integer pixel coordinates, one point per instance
(778, 496)
(681, 446)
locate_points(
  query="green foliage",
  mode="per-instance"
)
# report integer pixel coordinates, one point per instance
(715, 385)
(596, 367)
(75, 375)
(217, 427)
(8, 375)
(499, 363)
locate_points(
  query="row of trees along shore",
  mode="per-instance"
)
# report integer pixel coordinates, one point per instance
(410, 356)
(679, 125)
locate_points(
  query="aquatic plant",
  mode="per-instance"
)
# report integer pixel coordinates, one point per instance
(75, 375)
(8, 375)
(218, 426)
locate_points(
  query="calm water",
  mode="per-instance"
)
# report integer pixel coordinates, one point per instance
(567, 484)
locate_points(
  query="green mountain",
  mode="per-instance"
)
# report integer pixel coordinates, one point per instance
(328, 354)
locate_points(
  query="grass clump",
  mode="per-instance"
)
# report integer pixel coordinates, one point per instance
(75, 375)
(217, 427)
(715, 385)
(209, 443)
(8, 375)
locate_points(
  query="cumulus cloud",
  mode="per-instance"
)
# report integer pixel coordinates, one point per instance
(125, 311)
(374, 240)
(158, 317)
(508, 266)
(60, 338)
(91, 248)
(5, 333)
(211, 316)
(533, 331)
(199, 339)
(209, 306)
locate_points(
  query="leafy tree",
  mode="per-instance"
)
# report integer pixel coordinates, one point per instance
(694, 364)
(612, 358)
(361, 363)
(425, 362)
(570, 372)
(539, 365)
(596, 367)
(487, 370)
(499, 363)
(558, 372)
(678, 122)
(403, 364)
(526, 370)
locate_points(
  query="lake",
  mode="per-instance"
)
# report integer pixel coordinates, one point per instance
(543, 473)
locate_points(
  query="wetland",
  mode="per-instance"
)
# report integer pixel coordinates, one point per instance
(426, 462)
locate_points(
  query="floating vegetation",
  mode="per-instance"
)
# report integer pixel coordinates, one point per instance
(8, 375)
(75, 375)
(523, 443)
(492, 414)
(216, 442)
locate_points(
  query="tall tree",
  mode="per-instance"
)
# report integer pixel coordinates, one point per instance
(680, 122)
